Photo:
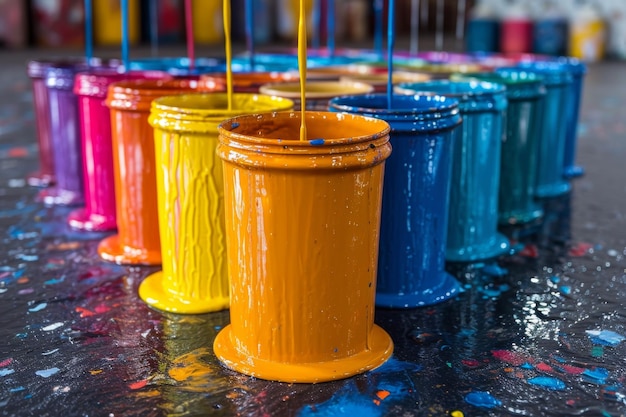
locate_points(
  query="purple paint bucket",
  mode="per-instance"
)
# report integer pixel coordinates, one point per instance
(36, 71)
(64, 136)
(97, 148)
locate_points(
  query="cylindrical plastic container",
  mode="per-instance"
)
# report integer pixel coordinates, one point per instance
(379, 80)
(557, 114)
(191, 199)
(577, 69)
(178, 65)
(302, 222)
(318, 93)
(520, 144)
(107, 22)
(36, 71)
(473, 214)
(97, 148)
(482, 35)
(444, 70)
(64, 135)
(411, 262)
(516, 28)
(137, 240)
(245, 82)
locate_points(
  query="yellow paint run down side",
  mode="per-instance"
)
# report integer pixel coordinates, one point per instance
(191, 200)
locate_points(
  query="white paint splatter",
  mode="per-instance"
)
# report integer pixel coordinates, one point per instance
(51, 327)
(50, 352)
(2, 290)
(45, 373)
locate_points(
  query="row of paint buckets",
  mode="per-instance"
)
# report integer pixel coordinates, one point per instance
(298, 238)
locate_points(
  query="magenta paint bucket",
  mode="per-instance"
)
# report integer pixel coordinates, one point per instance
(97, 147)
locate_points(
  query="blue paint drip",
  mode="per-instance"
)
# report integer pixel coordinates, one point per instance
(46, 373)
(88, 32)
(315, 42)
(605, 337)
(482, 399)
(317, 142)
(38, 307)
(495, 271)
(331, 27)
(54, 281)
(548, 382)
(565, 289)
(555, 279)
(250, 31)
(17, 389)
(125, 35)
(378, 27)
(597, 375)
(391, 38)
(5, 372)
(234, 125)
(527, 365)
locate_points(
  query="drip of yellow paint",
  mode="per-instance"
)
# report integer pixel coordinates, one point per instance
(302, 67)
(227, 45)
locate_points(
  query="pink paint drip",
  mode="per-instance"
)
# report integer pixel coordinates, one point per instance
(512, 358)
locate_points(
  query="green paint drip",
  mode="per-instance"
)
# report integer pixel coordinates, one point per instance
(597, 351)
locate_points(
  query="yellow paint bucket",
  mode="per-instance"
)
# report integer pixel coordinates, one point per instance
(302, 219)
(190, 196)
(318, 93)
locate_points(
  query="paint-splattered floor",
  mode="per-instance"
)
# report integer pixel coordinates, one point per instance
(542, 338)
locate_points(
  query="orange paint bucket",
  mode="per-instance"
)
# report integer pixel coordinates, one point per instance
(302, 222)
(245, 82)
(191, 199)
(137, 241)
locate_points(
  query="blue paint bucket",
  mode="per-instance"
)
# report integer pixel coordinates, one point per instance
(267, 62)
(550, 36)
(415, 196)
(578, 70)
(178, 65)
(520, 144)
(473, 213)
(482, 35)
(557, 117)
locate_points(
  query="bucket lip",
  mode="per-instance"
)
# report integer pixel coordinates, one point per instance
(166, 63)
(446, 67)
(316, 89)
(522, 77)
(151, 87)
(554, 73)
(227, 126)
(431, 103)
(260, 77)
(95, 83)
(36, 68)
(456, 89)
(381, 77)
(166, 104)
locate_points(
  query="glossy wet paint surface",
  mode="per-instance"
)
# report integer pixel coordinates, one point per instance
(543, 339)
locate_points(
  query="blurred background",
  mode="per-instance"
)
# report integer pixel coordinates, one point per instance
(588, 29)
